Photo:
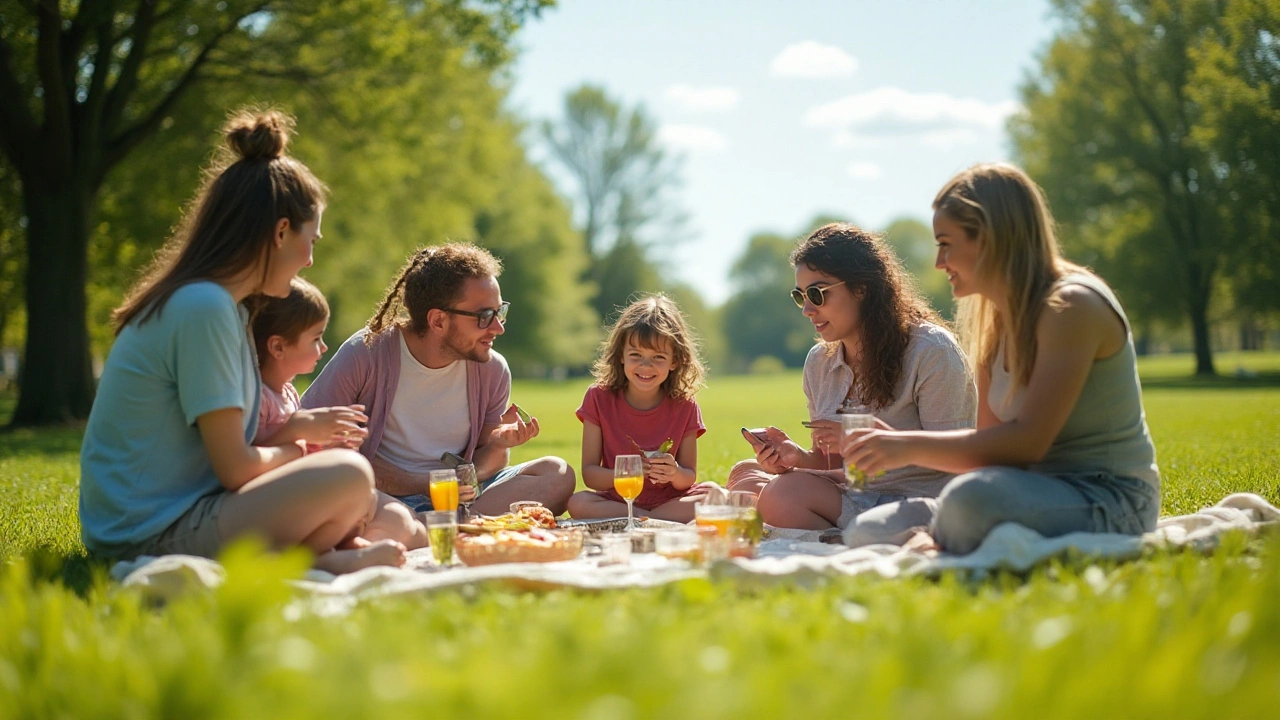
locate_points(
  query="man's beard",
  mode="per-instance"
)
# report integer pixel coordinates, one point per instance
(476, 353)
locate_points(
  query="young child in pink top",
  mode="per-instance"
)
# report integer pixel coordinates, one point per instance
(289, 335)
(646, 377)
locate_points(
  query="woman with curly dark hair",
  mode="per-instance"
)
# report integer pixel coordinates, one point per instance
(881, 351)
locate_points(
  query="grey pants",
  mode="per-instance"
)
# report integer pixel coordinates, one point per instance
(891, 523)
(1052, 505)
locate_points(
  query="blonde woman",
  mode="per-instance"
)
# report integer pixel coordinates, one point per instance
(1062, 443)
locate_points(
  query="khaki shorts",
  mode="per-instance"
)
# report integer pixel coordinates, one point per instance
(195, 532)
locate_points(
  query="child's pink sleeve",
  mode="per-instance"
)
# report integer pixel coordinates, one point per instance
(695, 421)
(590, 410)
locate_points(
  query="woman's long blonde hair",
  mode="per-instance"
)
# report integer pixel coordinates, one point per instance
(1003, 209)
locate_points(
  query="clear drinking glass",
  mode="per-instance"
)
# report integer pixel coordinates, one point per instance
(677, 543)
(628, 480)
(615, 549)
(849, 424)
(442, 531)
(720, 516)
(444, 490)
(748, 525)
(466, 473)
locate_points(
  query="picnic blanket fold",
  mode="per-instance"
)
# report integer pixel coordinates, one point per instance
(786, 559)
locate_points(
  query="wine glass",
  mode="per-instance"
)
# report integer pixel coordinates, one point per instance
(628, 480)
(466, 473)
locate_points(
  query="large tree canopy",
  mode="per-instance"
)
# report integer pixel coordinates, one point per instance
(1151, 181)
(397, 100)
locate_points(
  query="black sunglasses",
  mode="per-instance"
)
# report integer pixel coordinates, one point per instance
(813, 293)
(484, 318)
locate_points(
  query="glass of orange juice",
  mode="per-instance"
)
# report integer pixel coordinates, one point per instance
(720, 516)
(444, 489)
(628, 480)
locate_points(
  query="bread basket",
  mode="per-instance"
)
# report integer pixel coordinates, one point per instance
(518, 547)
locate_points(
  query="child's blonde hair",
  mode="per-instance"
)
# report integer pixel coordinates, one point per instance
(646, 323)
(288, 316)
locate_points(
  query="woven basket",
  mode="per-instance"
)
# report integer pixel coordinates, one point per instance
(473, 550)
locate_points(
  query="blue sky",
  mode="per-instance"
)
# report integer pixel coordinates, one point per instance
(784, 110)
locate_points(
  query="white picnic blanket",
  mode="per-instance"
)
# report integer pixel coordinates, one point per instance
(1007, 547)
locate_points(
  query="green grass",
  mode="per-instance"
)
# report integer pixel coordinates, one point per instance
(1176, 634)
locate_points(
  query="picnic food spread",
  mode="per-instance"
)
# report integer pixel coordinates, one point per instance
(526, 535)
(525, 518)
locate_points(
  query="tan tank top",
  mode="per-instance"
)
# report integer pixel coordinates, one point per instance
(1107, 428)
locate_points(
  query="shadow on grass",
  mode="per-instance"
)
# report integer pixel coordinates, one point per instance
(77, 572)
(20, 442)
(1267, 379)
(51, 440)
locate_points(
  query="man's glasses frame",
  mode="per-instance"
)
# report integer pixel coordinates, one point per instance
(814, 294)
(484, 318)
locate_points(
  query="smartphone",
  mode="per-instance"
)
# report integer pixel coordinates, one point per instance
(756, 436)
(452, 460)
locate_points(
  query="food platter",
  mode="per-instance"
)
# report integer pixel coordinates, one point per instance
(615, 525)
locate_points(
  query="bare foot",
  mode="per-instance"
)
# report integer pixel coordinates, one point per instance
(922, 542)
(383, 552)
(353, 542)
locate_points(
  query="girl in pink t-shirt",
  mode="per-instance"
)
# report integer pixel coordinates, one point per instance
(646, 377)
(289, 335)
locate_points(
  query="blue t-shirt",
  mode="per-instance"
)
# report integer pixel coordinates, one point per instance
(143, 463)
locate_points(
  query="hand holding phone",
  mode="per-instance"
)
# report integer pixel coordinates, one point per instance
(757, 437)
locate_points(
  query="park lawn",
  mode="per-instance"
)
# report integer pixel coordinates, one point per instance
(1176, 634)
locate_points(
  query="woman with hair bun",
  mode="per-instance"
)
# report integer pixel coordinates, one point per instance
(167, 464)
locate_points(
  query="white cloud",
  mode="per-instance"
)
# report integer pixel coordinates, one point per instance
(864, 170)
(813, 60)
(694, 138)
(948, 139)
(893, 111)
(847, 140)
(703, 99)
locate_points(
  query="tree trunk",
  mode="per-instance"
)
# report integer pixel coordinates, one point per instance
(1198, 307)
(1250, 334)
(57, 373)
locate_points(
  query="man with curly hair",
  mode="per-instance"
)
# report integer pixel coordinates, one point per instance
(425, 369)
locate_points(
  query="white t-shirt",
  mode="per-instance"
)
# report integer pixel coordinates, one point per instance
(429, 415)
